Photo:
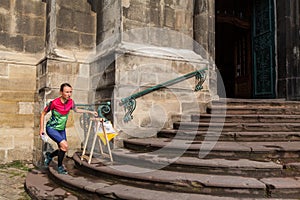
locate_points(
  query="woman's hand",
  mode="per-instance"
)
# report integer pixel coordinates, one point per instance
(42, 132)
(95, 113)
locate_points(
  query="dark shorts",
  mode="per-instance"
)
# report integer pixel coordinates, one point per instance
(56, 135)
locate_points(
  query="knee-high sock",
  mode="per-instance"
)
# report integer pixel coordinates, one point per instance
(54, 153)
(61, 155)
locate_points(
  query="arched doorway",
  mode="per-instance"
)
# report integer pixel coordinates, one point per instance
(245, 47)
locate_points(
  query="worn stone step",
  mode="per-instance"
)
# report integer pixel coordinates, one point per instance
(218, 185)
(237, 127)
(41, 187)
(235, 110)
(241, 167)
(229, 136)
(243, 118)
(218, 149)
(256, 103)
(179, 181)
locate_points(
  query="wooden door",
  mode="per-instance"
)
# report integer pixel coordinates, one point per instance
(242, 63)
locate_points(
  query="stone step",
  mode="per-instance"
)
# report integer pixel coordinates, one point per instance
(281, 103)
(197, 183)
(240, 167)
(237, 127)
(218, 149)
(242, 118)
(229, 136)
(239, 110)
(41, 187)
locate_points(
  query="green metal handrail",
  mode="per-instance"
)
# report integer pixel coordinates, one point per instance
(102, 109)
(129, 103)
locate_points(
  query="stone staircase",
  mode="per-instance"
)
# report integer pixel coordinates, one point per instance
(239, 149)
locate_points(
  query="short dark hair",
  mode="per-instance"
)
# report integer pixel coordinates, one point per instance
(62, 86)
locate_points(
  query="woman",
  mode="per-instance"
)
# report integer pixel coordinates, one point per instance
(56, 125)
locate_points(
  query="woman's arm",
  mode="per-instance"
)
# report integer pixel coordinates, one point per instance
(78, 110)
(42, 122)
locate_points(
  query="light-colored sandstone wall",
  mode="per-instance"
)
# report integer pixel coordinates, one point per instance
(22, 33)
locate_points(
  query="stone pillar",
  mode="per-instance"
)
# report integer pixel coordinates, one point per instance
(142, 44)
(70, 40)
(204, 35)
(22, 25)
(288, 52)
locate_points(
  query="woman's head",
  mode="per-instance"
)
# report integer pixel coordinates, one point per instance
(66, 91)
(62, 86)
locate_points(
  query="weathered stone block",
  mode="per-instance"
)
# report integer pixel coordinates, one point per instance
(78, 5)
(106, 94)
(67, 39)
(155, 17)
(80, 96)
(84, 22)
(160, 38)
(22, 138)
(16, 43)
(30, 26)
(5, 4)
(135, 11)
(26, 108)
(15, 121)
(63, 68)
(8, 107)
(16, 96)
(169, 18)
(81, 83)
(6, 141)
(35, 45)
(36, 8)
(84, 70)
(106, 62)
(4, 22)
(65, 18)
(19, 154)
(17, 85)
(87, 41)
(3, 156)
(13, 42)
(3, 70)
(22, 72)
(147, 79)
(186, 5)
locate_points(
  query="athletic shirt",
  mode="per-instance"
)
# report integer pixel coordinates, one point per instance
(60, 113)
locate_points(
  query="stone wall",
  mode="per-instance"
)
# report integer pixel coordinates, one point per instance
(45, 43)
(155, 110)
(146, 22)
(22, 25)
(70, 29)
(70, 39)
(149, 42)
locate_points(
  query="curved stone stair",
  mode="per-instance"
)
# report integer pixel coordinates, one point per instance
(99, 181)
(253, 156)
